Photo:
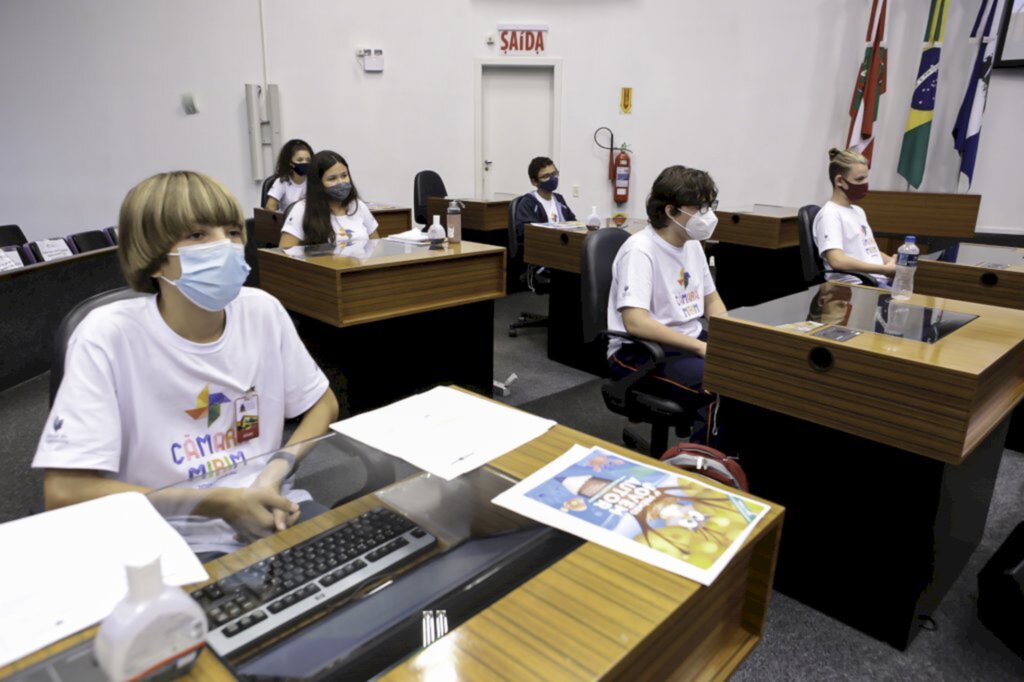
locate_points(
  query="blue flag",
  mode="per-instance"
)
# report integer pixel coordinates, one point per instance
(967, 130)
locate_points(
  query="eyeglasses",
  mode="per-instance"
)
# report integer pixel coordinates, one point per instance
(704, 208)
(548, 176)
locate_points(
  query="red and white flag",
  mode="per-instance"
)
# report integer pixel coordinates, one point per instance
(870, 83)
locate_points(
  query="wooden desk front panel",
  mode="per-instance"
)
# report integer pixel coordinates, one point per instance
(348, 296)
(371, 295)
(392, 220)
(930, 406)
(1004, 288)
(747, 229)
(555, 249)
(485, 216)
(921, 213)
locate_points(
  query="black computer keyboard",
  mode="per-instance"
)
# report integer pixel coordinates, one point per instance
(259, 601)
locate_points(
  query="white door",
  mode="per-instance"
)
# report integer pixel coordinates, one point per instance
(517, 124)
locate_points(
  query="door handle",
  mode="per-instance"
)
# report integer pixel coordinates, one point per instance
(487, 165)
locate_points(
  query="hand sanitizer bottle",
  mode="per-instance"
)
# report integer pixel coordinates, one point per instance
(155, 631)
(436, 233)
(593, 220)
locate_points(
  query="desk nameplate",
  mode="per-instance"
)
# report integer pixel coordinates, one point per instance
(936, 399)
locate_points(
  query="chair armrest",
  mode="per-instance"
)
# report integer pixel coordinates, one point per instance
(621, 387)
(866, 280)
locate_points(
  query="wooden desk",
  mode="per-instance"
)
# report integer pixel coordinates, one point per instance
(976, 276)
(921, 213)
(885, 456)
(481, 215)
(644, 624)
(757, 254)
(560, 251)
(390, 220)
(385, 315)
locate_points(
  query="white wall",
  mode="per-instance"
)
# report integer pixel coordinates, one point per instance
(754, 92)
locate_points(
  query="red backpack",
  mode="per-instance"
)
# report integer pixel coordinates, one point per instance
(708, 462)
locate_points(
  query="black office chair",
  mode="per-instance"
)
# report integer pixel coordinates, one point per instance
(426, 184)
(810, 259)
(267, 184)
(538, 282)
(251, 255)
(639, 397)
(70, 322)
(91, 241)
(111, 233)
(11, 235)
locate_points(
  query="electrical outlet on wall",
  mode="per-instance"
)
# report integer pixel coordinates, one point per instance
(576, 191)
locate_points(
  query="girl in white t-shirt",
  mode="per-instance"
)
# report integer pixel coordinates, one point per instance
(290, 184)
(332, 211)
(147, 379)
(841, 231)
(662, 286)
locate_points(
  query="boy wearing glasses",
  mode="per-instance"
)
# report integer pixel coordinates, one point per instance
(662, 286)
(544, 204)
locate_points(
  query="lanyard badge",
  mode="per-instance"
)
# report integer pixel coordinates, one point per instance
(247, 416)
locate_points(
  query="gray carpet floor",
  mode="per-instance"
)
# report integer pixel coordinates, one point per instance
(799, 643)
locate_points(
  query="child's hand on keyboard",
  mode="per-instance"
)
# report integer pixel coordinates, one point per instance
(271, 477)
(255, 512)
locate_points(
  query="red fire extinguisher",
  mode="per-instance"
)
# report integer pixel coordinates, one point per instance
(621, 179)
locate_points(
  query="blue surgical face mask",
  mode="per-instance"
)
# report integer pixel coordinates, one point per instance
(300, 168)
(212, 274)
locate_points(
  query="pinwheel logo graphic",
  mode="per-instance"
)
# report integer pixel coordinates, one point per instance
(209, 405)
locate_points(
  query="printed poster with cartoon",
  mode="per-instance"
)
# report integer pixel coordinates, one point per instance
(671, 520)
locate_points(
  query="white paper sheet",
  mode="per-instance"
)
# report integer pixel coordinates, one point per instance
(413, 236)
(9, 260)
(444, 431)
(52, 249)
(64, 570)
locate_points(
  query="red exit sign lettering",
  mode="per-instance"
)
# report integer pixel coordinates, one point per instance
(521, 38)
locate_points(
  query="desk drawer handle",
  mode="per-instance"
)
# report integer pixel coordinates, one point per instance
(989, 279)
(820, 359)
(564, 238)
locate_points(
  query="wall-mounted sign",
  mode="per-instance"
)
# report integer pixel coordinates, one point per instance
(521, 38)
(626, 101)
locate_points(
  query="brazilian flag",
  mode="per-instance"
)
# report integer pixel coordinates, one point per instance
(914, 153)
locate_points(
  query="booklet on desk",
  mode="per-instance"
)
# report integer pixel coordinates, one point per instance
(413, 236)
(664, 518)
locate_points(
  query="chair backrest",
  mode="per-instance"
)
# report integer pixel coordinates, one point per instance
(810, 259)
(11, 235)
(599, 249)
(514, 238)
(111, 233)
(70, 322)
(251, 255)
(90, 241)
(426, 184)
(267, 184)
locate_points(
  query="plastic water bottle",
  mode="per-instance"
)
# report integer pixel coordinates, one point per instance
(454, 222)
(906, 264)
(593, 220)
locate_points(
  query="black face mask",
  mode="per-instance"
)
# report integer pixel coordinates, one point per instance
(549, 185)
(300, 168)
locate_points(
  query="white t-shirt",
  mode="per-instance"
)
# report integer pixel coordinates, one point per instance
(670, 282)
(152, 408)
(286, 192)
(551, 208)
(355, 226)
(846, 228)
